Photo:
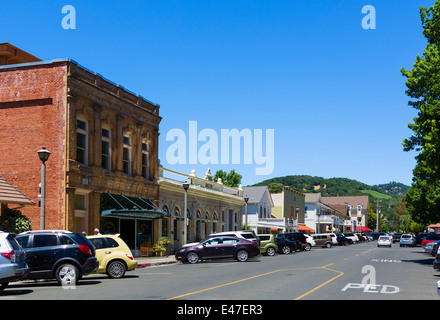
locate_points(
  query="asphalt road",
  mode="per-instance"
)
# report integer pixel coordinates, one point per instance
(355, 272)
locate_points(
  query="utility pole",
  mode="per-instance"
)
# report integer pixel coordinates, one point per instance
(377, 213)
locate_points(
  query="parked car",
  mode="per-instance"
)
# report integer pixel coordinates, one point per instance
(298, 236)
(429, 246)
(310, 240)
(58, 254)
(13, 265)
(419, 238)
(376, 235)
(342, 240)
(243, 234)
(384, 241)
(219, 247)
(287, 246)
(430, 238)
(407, 240)
(323, 240)
(113, 254)
(435, 245)
(351, 236)
(268, 245)
(396, 237)
(437, 259)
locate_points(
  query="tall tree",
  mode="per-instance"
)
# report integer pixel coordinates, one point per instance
(231, 179)
(423, 86)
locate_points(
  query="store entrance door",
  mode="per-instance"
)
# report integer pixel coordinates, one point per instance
(128, 232)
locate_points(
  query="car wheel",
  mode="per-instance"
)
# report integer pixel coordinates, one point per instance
(308, 247)
(116, 269)
(192, 257)
(346, 243)
(242, 255)
(285, 249)
(328, 245)
(67, 274)
(3, 286)
(270, 251)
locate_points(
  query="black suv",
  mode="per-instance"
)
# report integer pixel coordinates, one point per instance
(297, 236)
(62, 255)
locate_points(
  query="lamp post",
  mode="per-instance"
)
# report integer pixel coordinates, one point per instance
(43, 154)
(185, 215)
(246, 199)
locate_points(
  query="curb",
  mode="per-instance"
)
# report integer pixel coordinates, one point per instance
(148, 264)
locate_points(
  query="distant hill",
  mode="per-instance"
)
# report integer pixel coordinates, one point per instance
(390, 193)
(334, 186)
(394, 188)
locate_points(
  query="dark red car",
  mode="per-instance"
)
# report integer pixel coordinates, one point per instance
(430, 238)
(219, 247)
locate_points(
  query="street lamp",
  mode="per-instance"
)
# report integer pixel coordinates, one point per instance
(43, 154)
(246, 199)
(185, 215)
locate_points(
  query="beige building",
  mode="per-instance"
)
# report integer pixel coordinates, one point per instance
(211, 206)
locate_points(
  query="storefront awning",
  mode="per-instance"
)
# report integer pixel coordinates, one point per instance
(121, 206)
(304, 228)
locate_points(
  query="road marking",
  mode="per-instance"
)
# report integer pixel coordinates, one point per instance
(323, 284)
(224, 285)
(254, 277)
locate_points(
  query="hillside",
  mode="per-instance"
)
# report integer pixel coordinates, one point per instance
(334, 186)
(390, 194)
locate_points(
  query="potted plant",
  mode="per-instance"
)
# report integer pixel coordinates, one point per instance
(161, 245)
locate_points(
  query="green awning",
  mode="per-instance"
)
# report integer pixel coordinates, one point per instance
(121, 206)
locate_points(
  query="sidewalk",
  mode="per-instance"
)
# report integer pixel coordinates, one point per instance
(155, 261)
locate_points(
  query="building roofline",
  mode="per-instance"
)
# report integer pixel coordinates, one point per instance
(39, 63)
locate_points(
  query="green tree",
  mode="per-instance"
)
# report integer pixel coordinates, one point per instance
(275, 187)
(12, 220)
(423, 87)
(231, 179)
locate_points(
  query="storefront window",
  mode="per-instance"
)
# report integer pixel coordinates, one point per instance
(144, 231)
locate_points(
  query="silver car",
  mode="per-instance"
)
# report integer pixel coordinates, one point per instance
(13, 266)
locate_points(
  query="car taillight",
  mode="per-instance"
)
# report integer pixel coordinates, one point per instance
(300, 243)
(85, 248)
(9, 255)
(255, 245)
(129, 256)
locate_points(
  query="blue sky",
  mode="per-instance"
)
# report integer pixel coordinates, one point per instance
(332, 91)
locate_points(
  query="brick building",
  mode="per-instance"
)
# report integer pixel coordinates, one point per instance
(103, 139)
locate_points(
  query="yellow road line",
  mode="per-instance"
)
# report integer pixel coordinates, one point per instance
(261, 275)
(224, 285)
(323, 284)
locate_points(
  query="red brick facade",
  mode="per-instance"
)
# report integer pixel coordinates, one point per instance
(40, 104)
(32, 108)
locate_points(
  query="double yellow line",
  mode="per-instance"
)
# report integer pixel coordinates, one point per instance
(340, 273)
(265, 274)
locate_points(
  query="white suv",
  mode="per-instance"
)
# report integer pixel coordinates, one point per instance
(13, 265)
(351, 236)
